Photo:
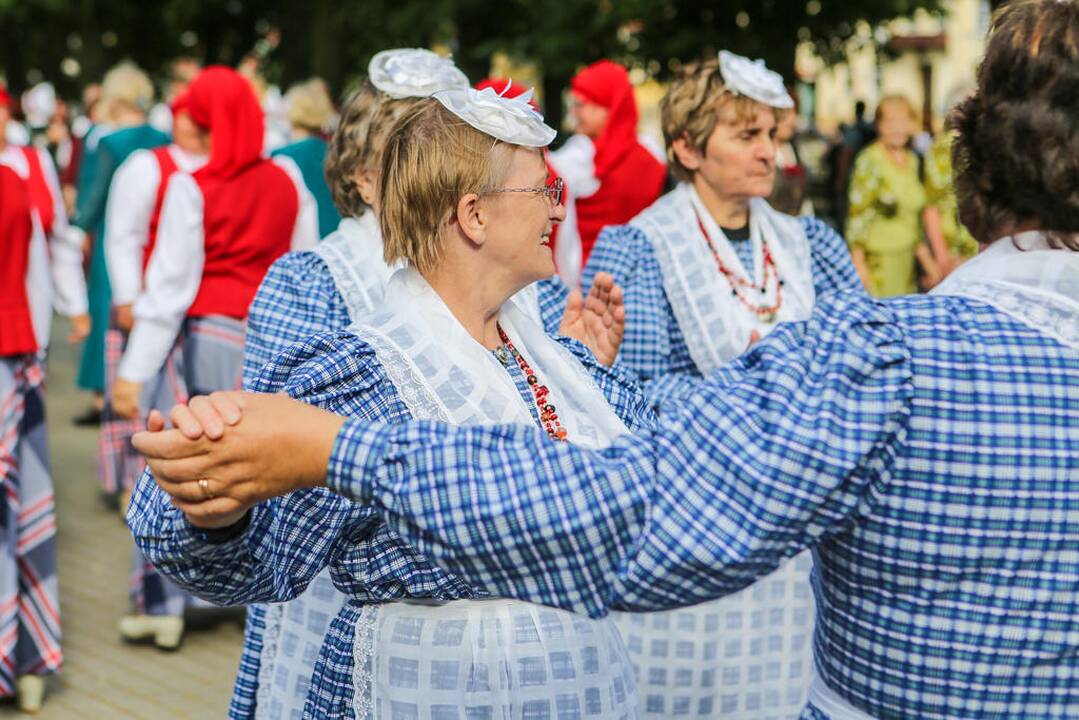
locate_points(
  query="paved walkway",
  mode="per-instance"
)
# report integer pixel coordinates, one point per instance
(102, 677)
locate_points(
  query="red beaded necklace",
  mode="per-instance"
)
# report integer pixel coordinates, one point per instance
(547, 413)
(740, 286)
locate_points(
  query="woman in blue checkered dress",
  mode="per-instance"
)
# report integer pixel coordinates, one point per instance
(925, 447)
(417, 357)
(707, 270)
(324, 290)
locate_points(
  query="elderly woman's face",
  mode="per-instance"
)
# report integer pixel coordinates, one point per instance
(895, 125)
(521, 222)
(740, 155)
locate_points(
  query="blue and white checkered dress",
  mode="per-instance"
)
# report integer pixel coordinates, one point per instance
(758, 640)
(297, 299)
(926, 448)
(654, 347)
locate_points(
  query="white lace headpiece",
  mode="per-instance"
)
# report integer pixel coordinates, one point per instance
(414, 72)
(754, 80)
(510, 120)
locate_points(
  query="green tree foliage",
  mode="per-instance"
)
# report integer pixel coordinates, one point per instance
(335, 38)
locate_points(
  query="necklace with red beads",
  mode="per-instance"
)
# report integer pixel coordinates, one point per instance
(547, 413)
(744, 289)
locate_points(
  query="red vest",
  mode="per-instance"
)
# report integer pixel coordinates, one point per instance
(248, 222)
(167, 166)
(16, 230)
(634, 184)
(41, 198)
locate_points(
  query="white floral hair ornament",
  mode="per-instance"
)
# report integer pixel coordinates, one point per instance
(510, 120)
(408, 72)
(752, 79)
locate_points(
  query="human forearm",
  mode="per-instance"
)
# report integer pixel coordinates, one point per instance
(555, 534)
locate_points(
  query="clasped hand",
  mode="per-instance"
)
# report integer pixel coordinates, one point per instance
(230, 450)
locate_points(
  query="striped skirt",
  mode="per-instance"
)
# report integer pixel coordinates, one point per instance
(208, 357)
(119, 466)
(29, 596)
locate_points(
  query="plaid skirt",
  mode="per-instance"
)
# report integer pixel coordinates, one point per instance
(208, 357)
(29, 595)
(119, 466)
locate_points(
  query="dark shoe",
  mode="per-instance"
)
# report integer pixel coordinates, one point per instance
(90, 418)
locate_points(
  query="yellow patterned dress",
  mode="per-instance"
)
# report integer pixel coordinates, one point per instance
(884, 220)
(940, 192)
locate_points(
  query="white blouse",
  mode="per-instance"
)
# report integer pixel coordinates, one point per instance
(175, 270)
(127, 217)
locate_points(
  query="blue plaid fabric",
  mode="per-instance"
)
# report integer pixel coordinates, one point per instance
(926, 447)
(290, 540)
(297, 299)
(654, 346)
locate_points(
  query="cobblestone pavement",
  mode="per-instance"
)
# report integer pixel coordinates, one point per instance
(102, 677)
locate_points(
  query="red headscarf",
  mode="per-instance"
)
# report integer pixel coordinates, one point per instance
(180, 103)
(5, 98)
(499, 85)
(606, 83)
(223, 101)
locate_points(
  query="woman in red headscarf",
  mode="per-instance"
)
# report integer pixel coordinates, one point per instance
(220, 229)
(132, 215)
(612, 175)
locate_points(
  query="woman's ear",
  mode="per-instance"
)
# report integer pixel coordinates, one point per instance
(688, 155)
(471, 218)
(367, 185)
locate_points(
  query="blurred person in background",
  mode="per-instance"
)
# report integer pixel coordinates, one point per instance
(951, 243)
(132, 218)
(884, 227)
(41, 269)
(220, 230)
(612, 176)
(789, 192)
(310, 112)
(128, 95)
(66, 288)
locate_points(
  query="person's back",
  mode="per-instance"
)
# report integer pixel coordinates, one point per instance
(970, 547)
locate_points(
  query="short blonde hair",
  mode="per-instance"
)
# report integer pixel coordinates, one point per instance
(895, 99)
(126, 85)
(308, 106)
(690, 109)
(431, 160)
(357, 143)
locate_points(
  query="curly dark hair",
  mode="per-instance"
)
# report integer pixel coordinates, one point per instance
(1016, 152)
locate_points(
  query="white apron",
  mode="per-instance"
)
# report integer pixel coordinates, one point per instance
(485, 658)
(294, 631)
(748, 655)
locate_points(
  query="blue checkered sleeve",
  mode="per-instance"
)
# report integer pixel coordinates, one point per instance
(297, 298)
(833, 270)
(552, 294)
(782, 448)
(653, 347)
(287, 540)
